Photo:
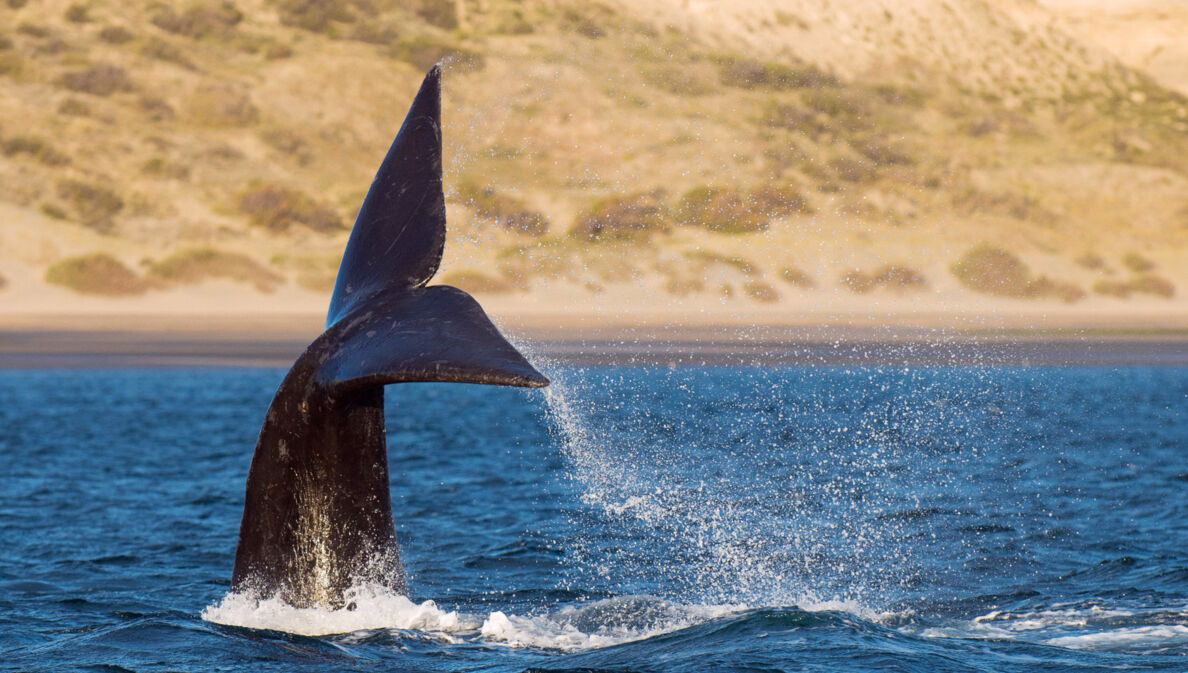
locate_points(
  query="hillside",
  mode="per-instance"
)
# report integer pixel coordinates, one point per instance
(713, 160)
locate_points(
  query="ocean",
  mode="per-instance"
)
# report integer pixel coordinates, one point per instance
(628, 518)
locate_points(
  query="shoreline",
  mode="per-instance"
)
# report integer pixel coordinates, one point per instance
(104, 341)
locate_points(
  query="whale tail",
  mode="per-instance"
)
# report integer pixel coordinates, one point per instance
(317, 514)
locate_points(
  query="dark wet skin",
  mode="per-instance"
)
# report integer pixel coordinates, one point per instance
(317, 516)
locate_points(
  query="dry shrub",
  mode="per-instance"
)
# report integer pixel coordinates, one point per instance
(1150, 283)
(277, 208)
(116, 35)
(424, 53)
(1049, 287)
(1119, 289)
(1137, 263)
(761, 291)
(52, 211)
(93, 205)
(1018, 206)
(77, 13)
(37, 148)
(384, 33)
(678, 80)
(1092, 261)
(858, 282)
(74, 108)
(995, 271)
(747, 74)
(156, 109)
(440, 13)
(11, 63)
(215, 19)
(719, 209)
(509, 212)
(705, 259)
(3, 282)
(882, 152)
(101, 79)
(476, 282)
(796, 119)
(6, 43)
(160, 167)
(190, 267)
(900, 277)
(287, 142)
(853, 170)
(316, 15)
(96, 273)
(620, 217)
(846, 107)
(166, 51)
(992, 271)
(221, 105)
(778, 201)
(797, 278)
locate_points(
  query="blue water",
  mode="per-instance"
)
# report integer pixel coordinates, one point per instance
(687, 519)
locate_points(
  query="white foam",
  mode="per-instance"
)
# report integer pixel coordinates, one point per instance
(572, 627)
(1166, 635)
(367, 608)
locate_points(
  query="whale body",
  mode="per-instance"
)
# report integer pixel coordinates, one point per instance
(317, 516)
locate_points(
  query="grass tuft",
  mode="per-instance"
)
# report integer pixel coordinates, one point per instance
(797, 278)
(995, 271)
(508, 212)
(1137, 263)
(102, 79)
(36, 148)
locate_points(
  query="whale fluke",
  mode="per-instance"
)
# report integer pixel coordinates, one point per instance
(317, 516)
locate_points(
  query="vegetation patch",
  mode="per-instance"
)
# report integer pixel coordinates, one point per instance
(550, 259)
(212, 19)
(1091, 260)
(36, 148)
(74, 107)
(476, 282)
(190, 267)
(705, 258)
(778, 201)
(116, 35)
(92, 205)
(719, 209)
(900, 277)
(1144, 284)
(797, 278)
(991, 270)
(101, 79)
(858, 282)
(747, 74)
(221, 105)
(1137, 263)
(97, 273)
(507, 211)
(679, 80)
(277, 208)
(168, 52)
(761, 291)
(623, 217)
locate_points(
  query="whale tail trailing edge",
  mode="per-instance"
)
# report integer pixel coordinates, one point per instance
(317, 514)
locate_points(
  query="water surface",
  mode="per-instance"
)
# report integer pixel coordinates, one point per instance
(628, 518)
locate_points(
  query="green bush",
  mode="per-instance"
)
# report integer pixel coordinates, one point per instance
(476, 282)
(620, 217)
(277, 208)
(97, 273)
(93, 205)
(190, 267)
(900, 277)
(102, 79)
